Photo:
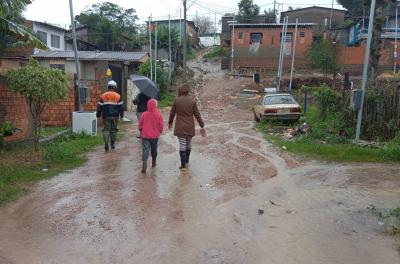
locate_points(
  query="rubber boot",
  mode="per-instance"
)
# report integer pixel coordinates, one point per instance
(153, 162)
(144, 167)
(187, 156)
(112, 145)
(182, 154)
(106, 146)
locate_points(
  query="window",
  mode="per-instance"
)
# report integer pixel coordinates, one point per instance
(240, 35)
(256, 38)
(61, 67)
(279, 99)
(302, 34)
(42, 36)
(55, 41)
(288, 38)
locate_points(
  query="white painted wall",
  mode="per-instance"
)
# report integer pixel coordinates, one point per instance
(49, 31)
(210, 41)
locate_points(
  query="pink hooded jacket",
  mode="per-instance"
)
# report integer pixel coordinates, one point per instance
(151, 122)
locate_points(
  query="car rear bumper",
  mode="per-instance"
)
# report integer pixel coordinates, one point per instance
(288, 116)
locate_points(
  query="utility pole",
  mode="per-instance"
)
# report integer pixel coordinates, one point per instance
(282, 55)
(155, 53)
(184, 40)
(330, 20)
(215, 28)
(395, 44)
(180, 27)
(151, 51)
(365, 70)
(169, 49)
(232, 42)
(78, 75)
(294, 52)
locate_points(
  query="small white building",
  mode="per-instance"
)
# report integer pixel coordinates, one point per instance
(209, 41)
(51, 35)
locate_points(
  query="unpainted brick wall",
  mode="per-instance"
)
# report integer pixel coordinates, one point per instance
(14, 108)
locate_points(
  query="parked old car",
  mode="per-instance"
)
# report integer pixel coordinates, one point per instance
(279, 106)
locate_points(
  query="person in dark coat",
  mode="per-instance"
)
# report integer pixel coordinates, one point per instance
(110, 107)
(141, 102)
(185, 109)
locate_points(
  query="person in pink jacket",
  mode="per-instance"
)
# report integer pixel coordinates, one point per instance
(151, 125)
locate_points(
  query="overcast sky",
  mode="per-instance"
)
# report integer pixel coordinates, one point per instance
(57, 11)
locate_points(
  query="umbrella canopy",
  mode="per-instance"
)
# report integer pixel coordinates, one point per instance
(146, 86)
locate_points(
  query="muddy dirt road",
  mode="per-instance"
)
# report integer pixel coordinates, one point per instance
(108, 212)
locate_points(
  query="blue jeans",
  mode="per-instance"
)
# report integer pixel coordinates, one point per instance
(147, 145)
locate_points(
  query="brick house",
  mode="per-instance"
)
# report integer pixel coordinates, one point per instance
(258, 45)
(226, 21)
(315, 14)
(93, 67)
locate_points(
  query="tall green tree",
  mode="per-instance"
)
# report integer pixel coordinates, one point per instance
(247, 11)
(322, 56)
(40, 85)
(12, 29)
(111, 27)
(163, 37)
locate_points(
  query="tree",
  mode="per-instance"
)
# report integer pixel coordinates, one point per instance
(12, 30)
(247, 11)
(111, 27)
(355, 7)
(270, 16)
(204, 25)
(322, 55)
(162, 75)
(163, 37)
(40, 85)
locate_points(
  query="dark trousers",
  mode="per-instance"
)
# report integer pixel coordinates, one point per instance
(110, 129)
(147, 145)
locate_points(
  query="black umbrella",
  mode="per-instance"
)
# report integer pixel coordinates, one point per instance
(146, 86)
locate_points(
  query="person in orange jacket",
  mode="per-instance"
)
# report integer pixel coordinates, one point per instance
(111, 108)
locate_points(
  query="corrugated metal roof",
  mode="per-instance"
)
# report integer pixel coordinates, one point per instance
(93, 55)
(272, 24)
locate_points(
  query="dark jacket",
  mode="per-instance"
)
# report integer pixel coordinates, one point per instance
(141, 102)
(110, 105)
(185, 108)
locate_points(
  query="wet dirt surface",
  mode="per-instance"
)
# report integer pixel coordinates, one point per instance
(108, 212)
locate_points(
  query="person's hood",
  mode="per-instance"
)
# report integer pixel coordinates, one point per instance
(152, 105)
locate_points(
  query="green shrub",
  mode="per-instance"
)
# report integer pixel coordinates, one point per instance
(328, 100)
(166, 98)
(217, 51)
(162, 75)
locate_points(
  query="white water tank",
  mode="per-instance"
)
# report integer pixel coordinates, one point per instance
(85, 122)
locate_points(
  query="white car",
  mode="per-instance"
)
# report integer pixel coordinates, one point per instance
(279, 106)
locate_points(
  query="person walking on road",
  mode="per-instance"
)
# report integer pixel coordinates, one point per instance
(185, 108)
(151, 125)
(111, 108)
(141, 102)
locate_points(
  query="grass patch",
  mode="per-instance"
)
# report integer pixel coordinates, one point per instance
(324, 142)
(390, 221)
(166, 99)
(52, 130)
(216, 51)
(20, 167)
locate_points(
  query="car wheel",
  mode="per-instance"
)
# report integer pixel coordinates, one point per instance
(256, 117)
